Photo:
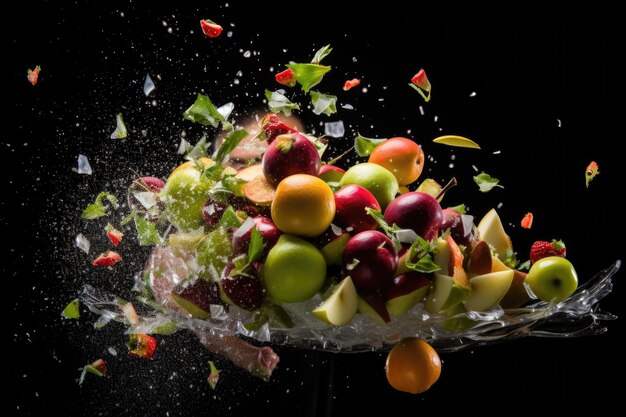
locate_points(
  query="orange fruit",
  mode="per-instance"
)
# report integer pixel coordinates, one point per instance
(191, 164)
(412, 366)
(402, 157)
(303, 205)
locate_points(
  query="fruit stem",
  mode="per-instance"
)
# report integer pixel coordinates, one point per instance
(333, 161)
(140, 180)
(449, 185)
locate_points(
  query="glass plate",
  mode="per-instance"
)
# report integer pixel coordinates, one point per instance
(578, 315)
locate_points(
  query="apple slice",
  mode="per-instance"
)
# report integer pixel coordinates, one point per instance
(488, 290)
(196, 297)
(341, 307)
(517, 295)
(497, 265)
(371, 304)
(249, 173)
(491, 231)
(333, 250)
(405, 292)
(447, 292)
(480, 259)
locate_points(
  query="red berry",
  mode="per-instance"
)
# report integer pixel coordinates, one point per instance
(141, 345)
(106, 259)
(286, 77)
(272, 126)
(542, 249)
(210, 28)
(351, 83)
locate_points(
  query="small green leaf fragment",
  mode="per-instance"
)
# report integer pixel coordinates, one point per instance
(229, 218)
(321, 54)
(72, 310)
(486, 182)
(198, 151)
(214, 376)
(460, 209)
(308, 75)
(204, 112)
(120, 131)
(323, 103)
(257, 244)
(147, 232)
(98, 207)
(364, 146)
(278, 102)
(229, 144)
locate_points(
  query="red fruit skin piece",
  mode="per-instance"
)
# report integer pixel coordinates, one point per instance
(114, 235)
(107, 259)
(100, 366)
(33, 75)
(288, 155)
(151, 183)
(286, 77)
(370, 260)
(272, 126)
(405, 284)
(351, 202)
(142, 345)
(210, 28)
(421, 80)
(351, 83)
(542, 249)
(527, 221)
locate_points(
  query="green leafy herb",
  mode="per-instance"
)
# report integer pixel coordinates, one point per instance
(459, 209)
(128, 218)
(147, 232)
(323, 103)
(255, 249)
(229, 218)
(486, 182)
(308, 75)
(234, 185)
(98, 208)
(72, 311)
(321, 54)
(198, 151)
(230, 142)
(213, 172)
(204, 112)
(364, 146)
(420, 258)
(278, 102)
(120, 129)
(525, 266)
(510, 259)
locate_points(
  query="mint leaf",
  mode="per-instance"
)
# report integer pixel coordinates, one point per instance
(278, 102)
(525, 266)
(198, 151)
(420, 258)
(204, 112)
(98, 208)
(147, 233)
(364, 146)
(308, 75)
(214, 376)
(229, 218)
(255, 249)
(120, 131)
(459, 209)
(321, 54)
(486, 182)
(323, 103)
(230, 142)
(72, 311)
(213, 172)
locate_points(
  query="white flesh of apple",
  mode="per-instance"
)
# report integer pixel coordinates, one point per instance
(341, 307)
(442, 256)
(488, 290)
(492, 232)
(439, 293)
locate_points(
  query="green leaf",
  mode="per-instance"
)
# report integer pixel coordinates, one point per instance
(486, 182)
(230, 142)
(198, 151)
(364, 146)
(525, 266)
(92, 370)
(204, 112)
(420, 258)
(278, 102)
(128, 218)
(72, 311)
(147, 233)
(120, 131)
(323, 103)
(255, 249)
(419, 90)
(98, 208)
(213, 172)
(459, 209)
(308, 75)
(321, 54)
(234, 185)
(510, 259)
(229, 218)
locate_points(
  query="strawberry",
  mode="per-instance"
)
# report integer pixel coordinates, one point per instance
(210, 28)
(272, 126)
(351, 83)
(141, 345)
(527, 221)
(33, 75)
(421, 80)
(109, 258)
(114, 235)
(542, 249)
(287, 77)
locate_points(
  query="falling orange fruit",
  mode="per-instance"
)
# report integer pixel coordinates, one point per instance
(412, 366)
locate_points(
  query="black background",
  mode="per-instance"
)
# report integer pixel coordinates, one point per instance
(529, 72)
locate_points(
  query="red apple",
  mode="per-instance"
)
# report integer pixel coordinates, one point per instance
(370, 259)
(371, 304)
(331, 173)
(213, 211)
(405, 291)
(273, 127)
(453, 220)
(196, 296)
(288, 155)
(269, 233)
(418, 211)
(244, 291)
(351, 202)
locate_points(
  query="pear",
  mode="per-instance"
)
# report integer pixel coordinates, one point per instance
(341, 307)
(491, 231)
(488, 290)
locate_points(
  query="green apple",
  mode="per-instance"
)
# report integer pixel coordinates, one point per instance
(376, 179)
(341, 307)
(185, 193)
(488, 290)
(445, 293)
(490, 230)
(294, 270)
(552, 279)
(213, 252)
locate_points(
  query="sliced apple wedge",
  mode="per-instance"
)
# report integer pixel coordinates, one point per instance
(492, 232)
(446, 292)
(405, 292)
(480, 262)
(342, 305)
(488, 290)
(442, 257)
(497, 265)
(371, 304)
(517, 295)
